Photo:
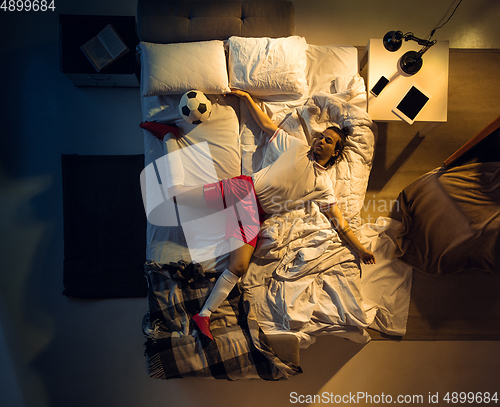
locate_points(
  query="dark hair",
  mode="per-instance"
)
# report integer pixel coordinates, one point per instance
(339, 148)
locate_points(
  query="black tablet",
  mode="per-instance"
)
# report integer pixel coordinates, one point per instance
(411, 104)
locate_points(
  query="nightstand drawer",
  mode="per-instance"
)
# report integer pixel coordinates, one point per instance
(104, 80)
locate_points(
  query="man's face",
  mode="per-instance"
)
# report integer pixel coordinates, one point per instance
(324, 144)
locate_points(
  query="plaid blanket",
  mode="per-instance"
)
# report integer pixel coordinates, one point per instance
(174, 347)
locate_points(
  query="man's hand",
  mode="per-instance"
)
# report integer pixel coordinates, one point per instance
(238, 92)
(367, 256)
(262, 119)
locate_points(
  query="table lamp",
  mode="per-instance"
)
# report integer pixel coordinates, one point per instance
(411, 61)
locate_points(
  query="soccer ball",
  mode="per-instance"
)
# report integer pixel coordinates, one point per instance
(195, 107)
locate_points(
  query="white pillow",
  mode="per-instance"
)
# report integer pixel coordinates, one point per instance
(326, 63)
(268, 66)
(169, 69)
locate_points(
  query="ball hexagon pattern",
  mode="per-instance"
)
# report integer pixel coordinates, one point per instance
(195, 107)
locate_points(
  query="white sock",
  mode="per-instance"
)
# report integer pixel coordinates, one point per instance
(221, 290)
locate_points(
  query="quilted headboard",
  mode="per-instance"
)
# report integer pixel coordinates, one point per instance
(167, 21)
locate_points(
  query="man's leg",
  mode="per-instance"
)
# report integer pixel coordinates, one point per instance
(239, 259)
(240, 256)
(188, 196)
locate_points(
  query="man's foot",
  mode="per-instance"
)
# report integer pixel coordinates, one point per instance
(203, 323)
(159, 130)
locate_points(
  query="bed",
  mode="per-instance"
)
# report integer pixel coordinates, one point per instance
(303, 281)
(442, 230)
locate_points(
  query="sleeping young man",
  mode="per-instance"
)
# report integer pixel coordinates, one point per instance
(297, 176)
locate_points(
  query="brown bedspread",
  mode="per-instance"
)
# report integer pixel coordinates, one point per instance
(451, 220)
(174, 347)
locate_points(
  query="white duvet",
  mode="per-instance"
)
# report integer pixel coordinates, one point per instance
(316, 284)
(303, 279)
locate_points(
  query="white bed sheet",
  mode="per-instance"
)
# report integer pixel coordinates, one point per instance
(167, 244)
(306, 281)
(238, 147)
(344, 304)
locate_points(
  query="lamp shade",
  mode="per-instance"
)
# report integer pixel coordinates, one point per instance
(393, 40)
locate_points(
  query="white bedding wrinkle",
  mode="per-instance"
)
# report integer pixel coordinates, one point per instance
(314, 287)
(303, 280)
(268, 66)
(326, 63)
(315, 279)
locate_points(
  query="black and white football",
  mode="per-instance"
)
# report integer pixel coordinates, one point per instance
(195, 107)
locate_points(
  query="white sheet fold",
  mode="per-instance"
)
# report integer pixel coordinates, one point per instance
(307, 280)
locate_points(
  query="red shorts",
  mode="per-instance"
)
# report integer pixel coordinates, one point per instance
(244, 213)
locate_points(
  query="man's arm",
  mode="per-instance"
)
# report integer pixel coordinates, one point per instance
(262, 119)
(346, 233)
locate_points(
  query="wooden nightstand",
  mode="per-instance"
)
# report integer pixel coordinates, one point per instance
(432, 77)
(75, 30)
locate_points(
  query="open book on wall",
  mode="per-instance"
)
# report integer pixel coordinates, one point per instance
(105, 48)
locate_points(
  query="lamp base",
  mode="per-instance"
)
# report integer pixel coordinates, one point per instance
(411, 62)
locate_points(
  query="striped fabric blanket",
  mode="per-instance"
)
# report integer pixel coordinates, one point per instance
(174, 347)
